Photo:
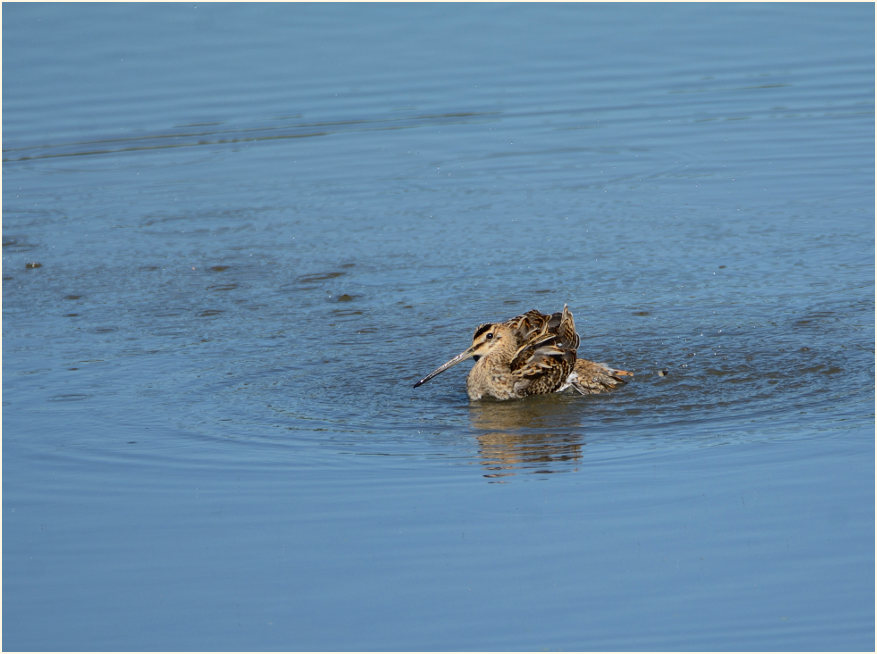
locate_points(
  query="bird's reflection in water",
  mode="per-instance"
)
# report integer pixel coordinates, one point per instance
(540, 434)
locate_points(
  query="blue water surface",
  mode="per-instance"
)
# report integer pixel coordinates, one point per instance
(235, 235)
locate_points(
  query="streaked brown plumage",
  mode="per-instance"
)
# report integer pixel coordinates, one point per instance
(530, 354)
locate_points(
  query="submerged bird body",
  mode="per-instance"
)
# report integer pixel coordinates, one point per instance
(531, 354)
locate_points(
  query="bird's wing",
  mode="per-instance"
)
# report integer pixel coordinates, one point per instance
(566, 330)
(528, 326)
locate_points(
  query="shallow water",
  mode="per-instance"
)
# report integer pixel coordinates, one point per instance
(235, 235)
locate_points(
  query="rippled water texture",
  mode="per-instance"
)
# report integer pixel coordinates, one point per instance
(235, 235)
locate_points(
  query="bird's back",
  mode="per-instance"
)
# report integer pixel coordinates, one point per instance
(546, 351)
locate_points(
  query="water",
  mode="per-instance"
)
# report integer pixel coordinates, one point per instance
(235, 235)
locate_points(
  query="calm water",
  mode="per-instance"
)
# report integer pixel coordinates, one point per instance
(235, 235)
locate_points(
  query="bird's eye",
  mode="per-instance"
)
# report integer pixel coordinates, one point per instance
(488, 335)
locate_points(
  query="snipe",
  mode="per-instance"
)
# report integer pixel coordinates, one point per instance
(531, 354)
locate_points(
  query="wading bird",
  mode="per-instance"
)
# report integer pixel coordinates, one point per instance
(530, 354)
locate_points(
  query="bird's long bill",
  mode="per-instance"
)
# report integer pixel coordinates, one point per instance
(465, 354)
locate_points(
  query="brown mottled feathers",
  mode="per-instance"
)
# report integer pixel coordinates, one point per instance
(531, 354)
(546, 351)
(533, 325)
(547, 355)
(597, 377)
